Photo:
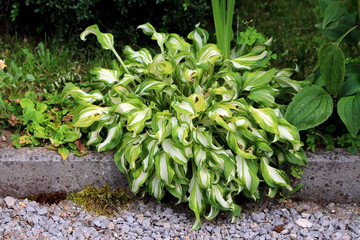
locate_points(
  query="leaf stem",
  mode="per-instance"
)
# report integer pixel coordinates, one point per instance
(120, 60)
(344, 35)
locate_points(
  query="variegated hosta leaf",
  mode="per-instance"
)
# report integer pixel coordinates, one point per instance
(136, 120)
(138, 178)
(108, 76)
(289, 132)
(106, 40)
(257, 79)
(215, 117)
(199, 38)
(200, 155)
(296, 157)
(174, 152)
(204, 138)
(132, 153)
(208, 54)
(180, 134)
(148, 85)
(177, 44)
(161, 68)
(197, 200)
(142, 56)
(217, 197)
(161, 125)
(150, 147)
(161, 38)
(214, 211)
(218, 158)
(94, 136)
(251, 60)
(164, 168)
(272, 176)
(113, 138)
(156, 187)
(225, 93)
(87, 116)
(204, 177)
(80, 96)
(234, 81)
(181, 171)
(184, 106)
(178, 190)
(266, 118)
(121, 161)
(263, 95)
(199, 102)
(128, 106)
(238, 144)
(247, 174)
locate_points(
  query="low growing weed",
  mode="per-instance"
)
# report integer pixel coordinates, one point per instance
(191, 122)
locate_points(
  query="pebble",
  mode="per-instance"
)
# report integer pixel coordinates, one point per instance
(303, 223)
(150, 220)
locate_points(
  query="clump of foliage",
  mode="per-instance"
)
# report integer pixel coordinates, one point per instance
(335, 85)
(191, 122)
(43, 120)
(102, 201)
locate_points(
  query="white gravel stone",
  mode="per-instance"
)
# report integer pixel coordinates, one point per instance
(303, 223)
(10, 202)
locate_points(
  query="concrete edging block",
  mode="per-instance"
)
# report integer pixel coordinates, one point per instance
(331, 176)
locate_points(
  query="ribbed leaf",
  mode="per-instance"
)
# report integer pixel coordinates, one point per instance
(332, 67)
(309, 108)
(348, 109)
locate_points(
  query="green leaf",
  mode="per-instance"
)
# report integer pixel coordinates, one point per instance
(251, 60)
(332, 67)
(87, 116)
(113, 138)
(148, 29)
(139, 176)
(309, 108)
(142, 56)
(247, 175)
(199, 37)
(106, 40)
(263, 95)
(351, 86)
(185, 106)
(136, 120)
(348, 109)
(333, 13)
(204, 177)
(64, 152)
(208, 54)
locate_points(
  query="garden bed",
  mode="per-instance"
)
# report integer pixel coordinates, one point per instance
(331, 176)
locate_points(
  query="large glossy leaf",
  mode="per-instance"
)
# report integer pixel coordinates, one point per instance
(266, 118)
(348, 109)
(309, 108)
(332, 67)
(257, 78)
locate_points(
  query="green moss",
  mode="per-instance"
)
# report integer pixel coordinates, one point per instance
(102, 201)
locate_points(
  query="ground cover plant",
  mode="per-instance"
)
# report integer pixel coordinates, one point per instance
(191, 122)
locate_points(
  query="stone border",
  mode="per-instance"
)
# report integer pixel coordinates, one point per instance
(332, 176)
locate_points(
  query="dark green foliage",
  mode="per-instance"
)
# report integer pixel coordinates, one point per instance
(67, 18)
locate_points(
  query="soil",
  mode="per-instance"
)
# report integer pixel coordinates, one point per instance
(5, 138)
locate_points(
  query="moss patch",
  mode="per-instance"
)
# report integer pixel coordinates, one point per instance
(102, 201)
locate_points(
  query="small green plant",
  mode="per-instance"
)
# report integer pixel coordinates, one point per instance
(191, 122)
(102, 201)
(43, 121)
(336, 82)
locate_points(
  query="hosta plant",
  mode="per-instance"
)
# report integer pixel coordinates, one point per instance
(190, 122)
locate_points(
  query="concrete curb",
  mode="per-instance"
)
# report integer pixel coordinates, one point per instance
(332, 176)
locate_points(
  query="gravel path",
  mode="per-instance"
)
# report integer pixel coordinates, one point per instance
(146, 219)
